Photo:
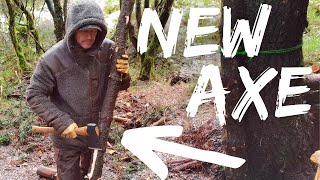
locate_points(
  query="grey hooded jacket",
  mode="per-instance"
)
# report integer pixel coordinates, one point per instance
(69, 82)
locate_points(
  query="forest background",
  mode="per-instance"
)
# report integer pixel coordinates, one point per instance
(39, 24)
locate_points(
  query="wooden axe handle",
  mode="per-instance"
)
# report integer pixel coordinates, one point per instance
(82, 131)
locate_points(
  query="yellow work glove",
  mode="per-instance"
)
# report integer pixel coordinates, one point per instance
(123, 65)
(70, 132)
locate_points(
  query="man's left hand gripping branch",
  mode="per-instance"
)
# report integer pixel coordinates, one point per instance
(69, 83)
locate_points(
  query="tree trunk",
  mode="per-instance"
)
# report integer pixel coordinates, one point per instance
(22, 63)
(146, 4)
(31, 26)
(277, 148)
(113, 83)
(58, 20)
(147, 58)
(65, 10)
(51, 7)
(55, 9)
(138, 12)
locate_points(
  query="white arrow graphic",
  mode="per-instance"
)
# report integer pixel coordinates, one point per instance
(142, 141)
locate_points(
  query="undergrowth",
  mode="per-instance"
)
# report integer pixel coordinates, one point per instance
(311, 38)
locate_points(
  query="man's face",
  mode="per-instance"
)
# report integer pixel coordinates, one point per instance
(86, 38)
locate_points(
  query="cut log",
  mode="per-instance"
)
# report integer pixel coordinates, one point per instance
(179, 161)
(46, 172)
(315, 158)
(109, 145)
(190, 165)
(160, 121)
(316, 67)
(127, 158)
(312, 81)
(121, 119)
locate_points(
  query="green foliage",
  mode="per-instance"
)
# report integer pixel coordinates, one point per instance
(25, 130)
(29, 148)
(152, 66)
(195, 4)
(22, 62)
(163, 69)
(4, 139)
(132, 167)
(147, 64)
(115, 134)
(111, 6)
(8, 79)
(22, 156)
(46, 33)
(155, 114)
(311, 39)
(16, 114)
(22, 33)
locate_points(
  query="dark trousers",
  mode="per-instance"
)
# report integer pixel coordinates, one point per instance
(72, 164)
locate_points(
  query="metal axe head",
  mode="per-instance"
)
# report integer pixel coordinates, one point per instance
(93, 139)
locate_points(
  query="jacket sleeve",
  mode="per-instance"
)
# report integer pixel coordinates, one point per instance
(41, 86)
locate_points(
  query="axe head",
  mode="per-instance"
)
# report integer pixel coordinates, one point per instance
(93, 139)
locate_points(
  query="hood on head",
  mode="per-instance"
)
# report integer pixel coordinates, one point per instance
(82, 13)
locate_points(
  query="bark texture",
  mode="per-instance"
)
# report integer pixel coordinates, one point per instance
(277, 148)
(22, 62)
(58, 20)
(146, 4)
(147, 58)
(31, 26)
(56, 11)
(114, 85)
(138, 12)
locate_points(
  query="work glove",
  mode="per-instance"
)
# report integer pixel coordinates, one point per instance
(123, 65)
(70, 132)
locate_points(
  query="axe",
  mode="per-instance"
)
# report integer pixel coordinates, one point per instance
(91, 130)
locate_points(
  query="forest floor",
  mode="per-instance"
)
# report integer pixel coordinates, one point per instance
(143, 105)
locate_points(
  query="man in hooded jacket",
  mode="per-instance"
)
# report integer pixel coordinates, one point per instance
(69, 83)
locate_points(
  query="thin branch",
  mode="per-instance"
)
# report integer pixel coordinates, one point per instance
(33, 7)
(36, 41)
(41, 12)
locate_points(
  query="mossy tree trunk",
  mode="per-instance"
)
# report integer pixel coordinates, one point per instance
(147, 58)
(58, 20)
(22, 63)
(56, 11)
(31, 26)
(277, 148)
